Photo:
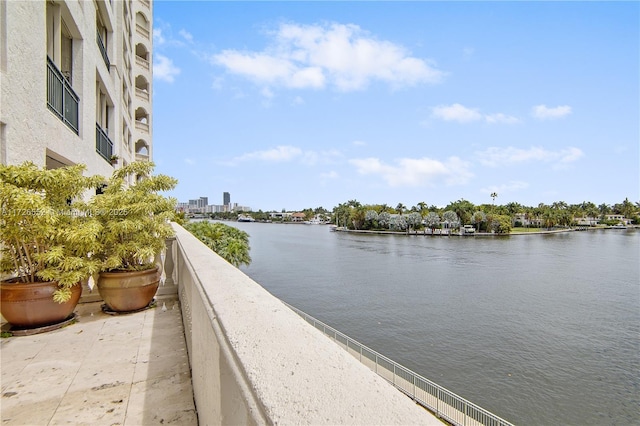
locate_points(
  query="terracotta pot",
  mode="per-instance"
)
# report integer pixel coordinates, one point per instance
(31, 305)
(125, 291)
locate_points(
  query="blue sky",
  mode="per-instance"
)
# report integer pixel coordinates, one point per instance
(289, 105)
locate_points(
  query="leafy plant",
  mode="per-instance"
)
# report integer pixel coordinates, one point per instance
(132, 217)
(230, 243)
(44, 236)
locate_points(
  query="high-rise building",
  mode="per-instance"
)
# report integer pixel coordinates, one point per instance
(76, 83)
(226, 198)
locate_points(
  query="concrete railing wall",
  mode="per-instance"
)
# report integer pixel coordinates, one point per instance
(255, 361)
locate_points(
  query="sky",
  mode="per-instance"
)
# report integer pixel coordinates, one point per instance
(294, 105)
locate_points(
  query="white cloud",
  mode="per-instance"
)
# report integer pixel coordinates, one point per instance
(542, 112)
(500, 118)
(158, 38)
(186, 35)
(456, 112)
(317, 56)
(330, 175)
(513, 186)
(495, 156)
(311, 158)
(286, 153)
(267, 93)
(463, 114)
(277, 154)
(415, 171)
(163, 68)
(259, 67)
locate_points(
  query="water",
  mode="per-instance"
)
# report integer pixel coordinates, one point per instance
(538, 329)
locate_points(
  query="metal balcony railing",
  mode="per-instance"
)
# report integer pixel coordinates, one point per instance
(442, 402)
(61, 99)
(104, 146)
(103, 49)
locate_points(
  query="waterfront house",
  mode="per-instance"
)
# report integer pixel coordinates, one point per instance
(620, 218)
(587, 221)
(298, 217)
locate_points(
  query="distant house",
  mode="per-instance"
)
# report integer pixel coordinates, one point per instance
(298, 217)
(531, 221)
(278, 215)
(619, 218)
(587, 221)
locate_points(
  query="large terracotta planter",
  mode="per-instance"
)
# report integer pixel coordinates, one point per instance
(31, 305)
(125, 291)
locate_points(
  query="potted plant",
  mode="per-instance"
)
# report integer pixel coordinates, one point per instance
(114, 159)
(45, 242)
(133, 222)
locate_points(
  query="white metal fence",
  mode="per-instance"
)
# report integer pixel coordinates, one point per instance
(443, 403)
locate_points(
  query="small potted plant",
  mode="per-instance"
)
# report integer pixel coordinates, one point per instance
(46, 243)
(114, 159)
(133, 222)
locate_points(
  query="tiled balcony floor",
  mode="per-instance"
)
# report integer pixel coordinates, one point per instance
(103, 370)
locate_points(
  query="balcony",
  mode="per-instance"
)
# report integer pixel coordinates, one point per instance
(142, 63)
(103, 50)
(104, 146)
(61, 99)
(142, 94)
(217, 344)
(144, 32)
(252, 361)
(142, 126)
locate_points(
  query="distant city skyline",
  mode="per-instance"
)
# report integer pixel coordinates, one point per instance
(298, 105)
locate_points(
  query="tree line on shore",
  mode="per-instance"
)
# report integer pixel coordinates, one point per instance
(483, 217)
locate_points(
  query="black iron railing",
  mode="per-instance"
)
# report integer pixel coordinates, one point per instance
(103, 49)
(104, 146)
(61, 99)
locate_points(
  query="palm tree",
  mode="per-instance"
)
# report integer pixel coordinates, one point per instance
(477, 218)
(627, 208)
(604, 210)
(400, 208)
(422, 206)
(493, 196)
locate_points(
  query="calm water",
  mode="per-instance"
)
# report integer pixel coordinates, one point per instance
(537, 329)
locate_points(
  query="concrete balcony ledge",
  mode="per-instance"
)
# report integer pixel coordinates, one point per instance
(255, 361)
